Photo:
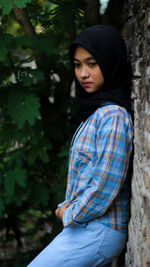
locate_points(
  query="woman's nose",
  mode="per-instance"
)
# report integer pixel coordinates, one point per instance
(84, 72)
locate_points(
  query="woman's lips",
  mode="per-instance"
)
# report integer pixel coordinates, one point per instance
(87, 84)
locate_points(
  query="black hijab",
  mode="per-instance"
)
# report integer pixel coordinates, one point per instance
(106, 45)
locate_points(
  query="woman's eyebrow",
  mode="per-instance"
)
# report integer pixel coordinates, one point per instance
(86, 59)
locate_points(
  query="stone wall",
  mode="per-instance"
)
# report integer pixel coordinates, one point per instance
(136, 16)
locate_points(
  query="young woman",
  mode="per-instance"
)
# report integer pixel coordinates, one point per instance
(95, 211)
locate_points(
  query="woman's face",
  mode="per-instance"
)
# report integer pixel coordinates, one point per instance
(87, 71)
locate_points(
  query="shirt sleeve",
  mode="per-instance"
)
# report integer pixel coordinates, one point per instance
(61, 204)
(108, 174)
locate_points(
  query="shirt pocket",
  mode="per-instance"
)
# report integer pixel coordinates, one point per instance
(86, 156)
(81, 171)
(86, 163)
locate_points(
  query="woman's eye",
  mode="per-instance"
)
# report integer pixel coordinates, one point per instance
(76, 65)
(92, 64)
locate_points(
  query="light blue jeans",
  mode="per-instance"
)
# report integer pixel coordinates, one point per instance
(89, 246)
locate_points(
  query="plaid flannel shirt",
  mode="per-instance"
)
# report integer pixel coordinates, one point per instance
(98, 186)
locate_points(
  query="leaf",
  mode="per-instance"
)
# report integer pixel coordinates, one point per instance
(39, 151)
(21, 3)
(6, 5)
(20, 176)
(17, 175)
(9, 186)
(23, 106)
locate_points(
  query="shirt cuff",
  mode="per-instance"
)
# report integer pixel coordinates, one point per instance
(61, 204)
(68, 219)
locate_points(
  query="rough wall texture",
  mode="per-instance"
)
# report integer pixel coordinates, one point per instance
(137, 34)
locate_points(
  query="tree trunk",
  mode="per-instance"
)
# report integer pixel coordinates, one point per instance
(22, 18)
(28, 29)
(92, 12)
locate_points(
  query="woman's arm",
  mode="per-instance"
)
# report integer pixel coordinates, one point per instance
(114, 144)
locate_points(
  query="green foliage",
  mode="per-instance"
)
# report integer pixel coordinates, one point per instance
(6, 5)
(60, 12)
(2, 208)
(41, 42)
(35, 132)
(12, 177)
(23, 106)
(5, 42)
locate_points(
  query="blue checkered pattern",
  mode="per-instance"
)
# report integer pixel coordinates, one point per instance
(97, 186)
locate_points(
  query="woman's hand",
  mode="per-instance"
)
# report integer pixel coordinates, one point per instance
(60, 211)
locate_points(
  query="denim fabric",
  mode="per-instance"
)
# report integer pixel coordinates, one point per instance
(89, 246)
